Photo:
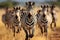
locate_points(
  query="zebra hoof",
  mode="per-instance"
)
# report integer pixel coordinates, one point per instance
(26, 39)
(45, 34)
(14, 35)
(17, 31)
(31, 35)
(53, 29)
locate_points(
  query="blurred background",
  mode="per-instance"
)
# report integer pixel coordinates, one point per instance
(11, 3)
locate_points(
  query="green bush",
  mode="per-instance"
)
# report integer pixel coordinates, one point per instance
(57, 3)
(8, 4)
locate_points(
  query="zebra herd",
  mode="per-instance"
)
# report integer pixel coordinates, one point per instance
(26, 19)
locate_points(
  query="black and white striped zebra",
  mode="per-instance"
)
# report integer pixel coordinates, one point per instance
(12, 19)
(54, 16)
(28, 23)
(43, 19)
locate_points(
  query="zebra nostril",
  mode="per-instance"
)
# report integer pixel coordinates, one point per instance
(46, 21)
(29, 15)
(16, 16)
(44, 15)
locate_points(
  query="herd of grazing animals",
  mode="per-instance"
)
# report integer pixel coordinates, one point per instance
(23, 18)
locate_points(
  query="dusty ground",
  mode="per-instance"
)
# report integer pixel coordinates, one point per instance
(6, 34)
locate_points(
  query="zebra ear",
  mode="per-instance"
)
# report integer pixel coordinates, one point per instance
(44, 6)
(41, 6)
(33, 3)
(50, 6)
(6, 8)
(14, 8)
(22, 10)
(39, 11)
(26, 3)
(19, 8)
(47, 6)
(53, 6)
(29, 2)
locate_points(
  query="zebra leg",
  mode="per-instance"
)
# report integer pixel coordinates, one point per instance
(45, 30)
(6, 25)
(19, 28)
(26, 34)
(54, 24)
(51, 25)
(31, 33)
(13, 31)
(41, 30)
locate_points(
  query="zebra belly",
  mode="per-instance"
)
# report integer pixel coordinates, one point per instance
(29, 27)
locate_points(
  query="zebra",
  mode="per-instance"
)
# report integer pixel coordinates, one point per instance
(17, 23)
(6, 16)
(53, 13)
(12, 19)
(28, 24)
(43, 19)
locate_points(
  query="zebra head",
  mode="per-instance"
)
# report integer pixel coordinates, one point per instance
(29, 20)
(43, 14)
(17, 14)
(43, 10)
(29, 5)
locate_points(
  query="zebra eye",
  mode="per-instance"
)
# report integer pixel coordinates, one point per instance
(16, 16)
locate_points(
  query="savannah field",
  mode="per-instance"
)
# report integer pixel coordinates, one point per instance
(7, 34)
